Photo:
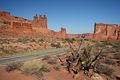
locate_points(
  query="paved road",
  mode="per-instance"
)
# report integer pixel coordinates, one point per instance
(31, 55)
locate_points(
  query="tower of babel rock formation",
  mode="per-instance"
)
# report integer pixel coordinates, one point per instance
(37, 25)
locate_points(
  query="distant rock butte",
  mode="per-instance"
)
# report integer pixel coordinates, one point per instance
(102, 32)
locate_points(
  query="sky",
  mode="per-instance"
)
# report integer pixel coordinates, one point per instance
(77, 16)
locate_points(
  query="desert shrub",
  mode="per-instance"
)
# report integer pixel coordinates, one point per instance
(31, 67)
(56, 45)
(46, 57)
(8, 50)
(104, 55)
(100, 44)
(109, 61)
(67, 39)
(41, 40)
(84, 58)
(40, 75)
(71, 40)
(115, 45)
(4, 41)
(13, 66)
(32, 40)
(45, 68)
(104, 70)
(52, 61)
(117, 56)
(23, 40)
(118, 62)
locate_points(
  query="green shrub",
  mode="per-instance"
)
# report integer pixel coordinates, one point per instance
(71, 40)
(13, 66)
(100, 44)
(31, 67)
(56, 45)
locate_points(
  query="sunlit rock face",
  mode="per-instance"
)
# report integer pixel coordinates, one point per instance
(106, 32)
(21, 25)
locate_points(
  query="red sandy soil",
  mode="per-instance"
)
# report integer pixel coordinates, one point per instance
(58, 75)
(17, 75)
(14, 75)
(118, 71)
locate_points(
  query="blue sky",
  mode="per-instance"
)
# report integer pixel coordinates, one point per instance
(78, 16)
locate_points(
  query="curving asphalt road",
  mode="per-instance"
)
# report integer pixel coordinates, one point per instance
(31, 55)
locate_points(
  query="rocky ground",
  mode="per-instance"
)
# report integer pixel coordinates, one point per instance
(51, 68)
(11, 46)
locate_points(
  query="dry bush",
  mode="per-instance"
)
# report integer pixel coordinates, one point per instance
(31, 67)
(4, 41)
(13, 66)
(104, 70)
(117, 56)
(40, 41)
(56, 45)
(8, 50)
(118, 63)
(83, 59)
(24, 40)
(115, 45)
(46, 57)
(109, 61)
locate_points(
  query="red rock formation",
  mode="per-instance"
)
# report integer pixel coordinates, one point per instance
(106, 32)
(4, 14)
(102, 32)
(37, 25)
(63, 30)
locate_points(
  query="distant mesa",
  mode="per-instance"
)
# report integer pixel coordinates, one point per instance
(102, 32)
